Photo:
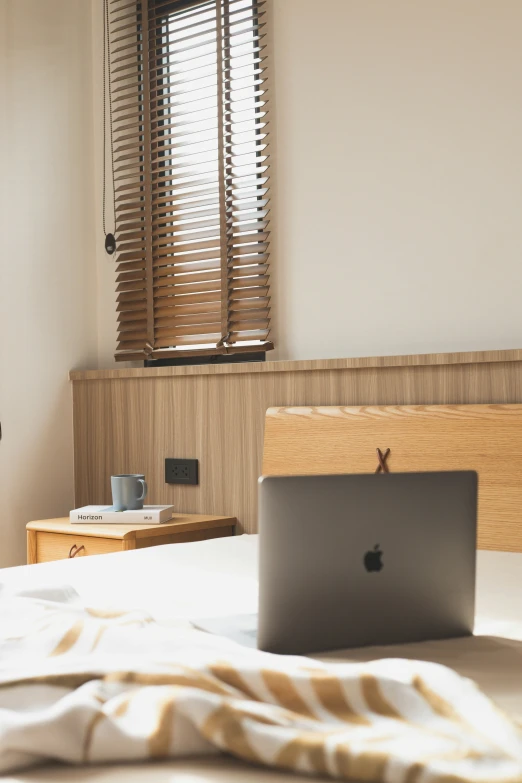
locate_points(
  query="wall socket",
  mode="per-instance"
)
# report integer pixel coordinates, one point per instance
(181, 471)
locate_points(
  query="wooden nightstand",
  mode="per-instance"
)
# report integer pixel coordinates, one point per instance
(57, 539)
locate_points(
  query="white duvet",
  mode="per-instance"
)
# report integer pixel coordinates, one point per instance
(83, 684)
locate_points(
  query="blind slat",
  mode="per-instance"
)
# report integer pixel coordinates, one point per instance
(179, 331)
(197, 278)
(186, 221)
(173, 311)
(244, 348)
(168, 257)
(191, 142)
(210, 316)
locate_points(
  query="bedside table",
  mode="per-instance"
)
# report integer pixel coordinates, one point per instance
(58, 539)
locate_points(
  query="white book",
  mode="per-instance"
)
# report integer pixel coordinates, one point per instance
(148, 515)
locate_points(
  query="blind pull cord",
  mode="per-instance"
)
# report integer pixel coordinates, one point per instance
(110, 239)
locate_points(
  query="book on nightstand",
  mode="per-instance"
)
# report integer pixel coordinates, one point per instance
(148, 515)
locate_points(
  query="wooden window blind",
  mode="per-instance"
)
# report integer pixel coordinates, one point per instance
(190, 127)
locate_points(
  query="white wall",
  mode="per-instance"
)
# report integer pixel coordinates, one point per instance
(397, 178)
(47, 270)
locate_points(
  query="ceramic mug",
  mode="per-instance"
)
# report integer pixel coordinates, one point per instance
(128, 491)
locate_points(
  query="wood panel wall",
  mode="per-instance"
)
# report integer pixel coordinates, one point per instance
(336, 440)
(130, 420)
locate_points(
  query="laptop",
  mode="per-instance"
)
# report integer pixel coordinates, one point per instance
(347, 561)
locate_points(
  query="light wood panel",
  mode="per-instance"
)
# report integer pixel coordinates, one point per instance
(182, 538)
(485, 438)
(357, 363)
(31, 547)
(130, 421)
(57, 539)
(180, 523)
(57, 546)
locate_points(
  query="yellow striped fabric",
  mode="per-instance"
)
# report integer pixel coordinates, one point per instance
(118, 686)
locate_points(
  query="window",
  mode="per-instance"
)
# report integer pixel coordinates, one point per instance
(190, 127)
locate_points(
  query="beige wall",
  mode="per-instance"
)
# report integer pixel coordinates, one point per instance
(47, 275)
(397, 176)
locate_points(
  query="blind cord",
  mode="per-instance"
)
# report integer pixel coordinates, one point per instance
(110, 240)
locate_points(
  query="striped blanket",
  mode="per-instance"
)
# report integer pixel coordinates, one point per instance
(83, 685)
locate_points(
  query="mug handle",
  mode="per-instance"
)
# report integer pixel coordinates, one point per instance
(145, 490)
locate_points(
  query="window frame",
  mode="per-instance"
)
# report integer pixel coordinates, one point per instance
(224, 350)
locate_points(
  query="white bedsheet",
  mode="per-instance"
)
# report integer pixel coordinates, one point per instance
(219, 578)
(215, 577)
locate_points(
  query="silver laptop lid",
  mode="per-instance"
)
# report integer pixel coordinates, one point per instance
(347, 561)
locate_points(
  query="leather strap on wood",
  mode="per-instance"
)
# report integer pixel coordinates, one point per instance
(382, 466)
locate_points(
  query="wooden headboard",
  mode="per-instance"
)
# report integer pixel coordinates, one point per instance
(485, 438)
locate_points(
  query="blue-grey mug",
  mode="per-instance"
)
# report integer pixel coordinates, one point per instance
(128, 491)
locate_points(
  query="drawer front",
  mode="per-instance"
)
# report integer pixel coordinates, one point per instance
(181, 538)
(57, 546)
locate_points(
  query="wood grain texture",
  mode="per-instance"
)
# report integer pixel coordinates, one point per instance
(130, 424)
(183, 538)
(56, 546)
(357, 363)
(181, 523)
(31, 547)
(52, 539)
(485, 438)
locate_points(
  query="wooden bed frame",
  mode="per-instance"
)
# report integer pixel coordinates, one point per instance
(485, 438)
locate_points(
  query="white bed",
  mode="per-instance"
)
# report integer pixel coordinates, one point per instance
(219, 578)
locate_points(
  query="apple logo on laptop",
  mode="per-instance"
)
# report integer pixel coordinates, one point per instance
(372, 559)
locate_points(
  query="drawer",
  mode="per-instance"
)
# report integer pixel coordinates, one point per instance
(57, 546)
(181, 538)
